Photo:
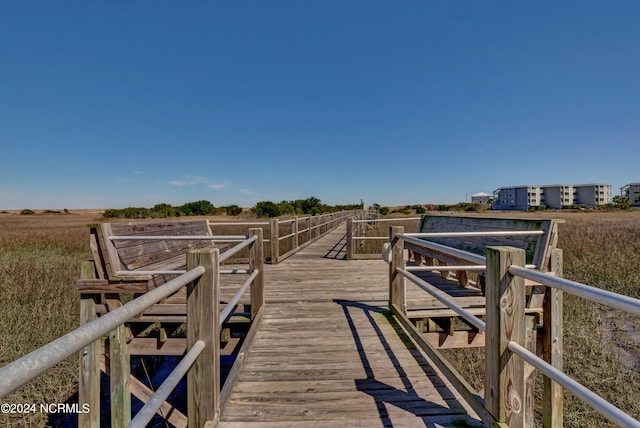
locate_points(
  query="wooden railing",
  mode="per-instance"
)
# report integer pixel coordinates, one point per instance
(201, 363)
(508, 392)
(287, 236)
(357, 234)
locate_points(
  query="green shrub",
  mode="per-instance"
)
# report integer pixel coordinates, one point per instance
(233, 210)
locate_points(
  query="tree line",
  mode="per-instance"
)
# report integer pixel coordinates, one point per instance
(310, 206)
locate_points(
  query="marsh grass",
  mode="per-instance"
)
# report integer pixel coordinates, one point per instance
(601, 345)
(379, 229)
(40, 258)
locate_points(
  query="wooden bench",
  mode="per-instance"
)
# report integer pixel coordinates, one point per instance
(137, 266)
(537, 247)
(432, 315)
(123, 260)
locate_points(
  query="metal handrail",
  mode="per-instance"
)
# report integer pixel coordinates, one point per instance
(235, 249)
(461, 254)
(387, 219)
(230, 305)
(145, 273)
(475, 233)
(238, 223)
(24, 369)
(148, 411)
(598, 403)
(219, 238)
(472, 319)
(609, 298)
(445, 268)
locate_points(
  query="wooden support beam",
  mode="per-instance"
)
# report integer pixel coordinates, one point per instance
(256, 262)
(504, 372)
(349, 244)
(396, 281)
(463, 278)
(120, 369)
(143, 393)
(444, 274)
(275, 240)
(531, 334)
(459, 339)
(552, 346)
(203, 380)
(89, 382)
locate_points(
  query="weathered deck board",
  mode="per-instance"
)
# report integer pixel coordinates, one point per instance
(328, 352)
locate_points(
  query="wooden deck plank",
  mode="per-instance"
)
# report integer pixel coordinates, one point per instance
(327, 351)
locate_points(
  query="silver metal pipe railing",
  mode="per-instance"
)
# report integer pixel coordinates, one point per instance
(598, 403)
(229, 306)
(148, 411)
(22, 370)
(235, 249)
(461, 254)
(472, 319)
(609, 298)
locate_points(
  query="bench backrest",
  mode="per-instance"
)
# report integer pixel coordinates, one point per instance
(112, 257)
(537, 247)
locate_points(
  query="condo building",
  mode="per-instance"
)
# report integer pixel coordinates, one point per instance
(632, 191)
(555, 196)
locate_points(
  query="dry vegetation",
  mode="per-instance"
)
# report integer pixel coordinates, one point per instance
(40, 258)
(601, 346)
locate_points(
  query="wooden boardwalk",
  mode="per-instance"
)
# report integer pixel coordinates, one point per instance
(328, 352)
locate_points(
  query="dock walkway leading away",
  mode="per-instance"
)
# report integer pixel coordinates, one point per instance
(328, 352)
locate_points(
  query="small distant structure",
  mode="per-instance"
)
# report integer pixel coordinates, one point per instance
(481, 198)
(631, 191)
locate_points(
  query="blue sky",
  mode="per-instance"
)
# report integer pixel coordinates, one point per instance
(115, 104)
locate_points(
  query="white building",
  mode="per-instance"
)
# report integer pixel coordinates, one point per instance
(517, 198)
(593, 194)
(632, 191)
(556, 196)
(481, 198)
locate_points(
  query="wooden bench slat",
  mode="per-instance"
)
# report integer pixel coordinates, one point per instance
(131, 255)
(197, 227)
(535, 246)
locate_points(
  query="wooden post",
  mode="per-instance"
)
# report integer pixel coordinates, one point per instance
(504, 390)
(203, 380)
(119, 374)
(531, 338)
(256, 258)
(275, 241)
(444, 274)
(89, 382)
(349, 246)
(295, 232)
(396, 281)
(552, 345)
(309, 231)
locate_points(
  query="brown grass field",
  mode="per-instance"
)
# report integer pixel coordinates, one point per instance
(40, 258)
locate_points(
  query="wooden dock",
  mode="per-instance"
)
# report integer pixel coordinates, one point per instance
(328, 351)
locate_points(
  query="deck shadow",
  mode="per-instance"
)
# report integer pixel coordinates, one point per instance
(406, 398)
(338, 251)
